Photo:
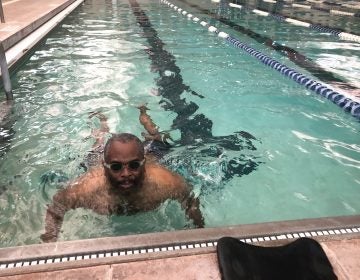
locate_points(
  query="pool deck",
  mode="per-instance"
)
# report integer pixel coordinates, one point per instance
(185, 254)
(154, 255)
(22, 17)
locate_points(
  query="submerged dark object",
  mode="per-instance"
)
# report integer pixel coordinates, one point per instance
(51, 178)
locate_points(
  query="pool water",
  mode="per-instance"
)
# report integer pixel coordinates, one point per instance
(256, 146)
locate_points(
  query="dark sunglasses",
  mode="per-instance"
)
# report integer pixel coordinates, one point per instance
(118, 166)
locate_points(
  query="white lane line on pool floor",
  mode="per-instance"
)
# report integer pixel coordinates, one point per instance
(342, 35)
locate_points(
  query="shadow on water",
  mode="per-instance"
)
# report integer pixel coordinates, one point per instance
(6, 132)
(195, 129)
(55, 178)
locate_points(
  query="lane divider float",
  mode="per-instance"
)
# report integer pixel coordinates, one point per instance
(344, 102)
(342, 35)
(349, 5)
(328, 10)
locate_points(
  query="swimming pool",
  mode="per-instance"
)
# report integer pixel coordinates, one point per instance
(256, 146)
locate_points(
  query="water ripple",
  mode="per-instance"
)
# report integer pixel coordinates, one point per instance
(345, 153)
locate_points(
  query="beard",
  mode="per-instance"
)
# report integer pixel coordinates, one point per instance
(126, 185)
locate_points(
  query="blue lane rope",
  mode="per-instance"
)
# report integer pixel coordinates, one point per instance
(278, 17)
(325, 29)
(328, 10)
(346, 103)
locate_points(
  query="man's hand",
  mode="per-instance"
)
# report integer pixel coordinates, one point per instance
(48, 237)
(192, 209)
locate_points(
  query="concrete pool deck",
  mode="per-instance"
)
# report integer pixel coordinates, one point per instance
(154, 255)
(22, 17)
(27, 22)
(186, 254)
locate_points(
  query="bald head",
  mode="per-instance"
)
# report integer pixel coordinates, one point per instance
(124, 138)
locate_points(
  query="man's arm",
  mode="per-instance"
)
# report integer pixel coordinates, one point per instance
(148, 123)
(62, 202)
(99, 134)
(151, 128)
(188, 201)
(172, 185)
(191, 205)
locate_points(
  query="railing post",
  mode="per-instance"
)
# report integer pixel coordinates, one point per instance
(5, 73)
(2, 12)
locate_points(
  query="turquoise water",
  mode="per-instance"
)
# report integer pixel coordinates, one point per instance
(304, 161)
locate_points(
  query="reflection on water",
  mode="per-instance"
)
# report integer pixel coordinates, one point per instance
(6, 126)
(346, 154)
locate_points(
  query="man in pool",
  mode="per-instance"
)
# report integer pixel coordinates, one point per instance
(155, 143)
(125, 183)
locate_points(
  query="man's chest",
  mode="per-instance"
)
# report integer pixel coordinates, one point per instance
(145, 200)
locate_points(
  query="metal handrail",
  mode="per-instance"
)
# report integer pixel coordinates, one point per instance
(2, 12)
(5, 73)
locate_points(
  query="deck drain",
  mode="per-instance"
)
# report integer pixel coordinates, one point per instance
(173, 247)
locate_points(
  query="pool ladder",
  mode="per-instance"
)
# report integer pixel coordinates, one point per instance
(5, 73)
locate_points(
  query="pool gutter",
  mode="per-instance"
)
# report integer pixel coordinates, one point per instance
(18, 42)
(149, 246)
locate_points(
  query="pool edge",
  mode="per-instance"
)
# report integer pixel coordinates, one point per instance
(150, 246)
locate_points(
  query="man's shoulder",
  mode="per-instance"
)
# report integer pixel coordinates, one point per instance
(157, 168)
(163, 176)
(92, 179)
